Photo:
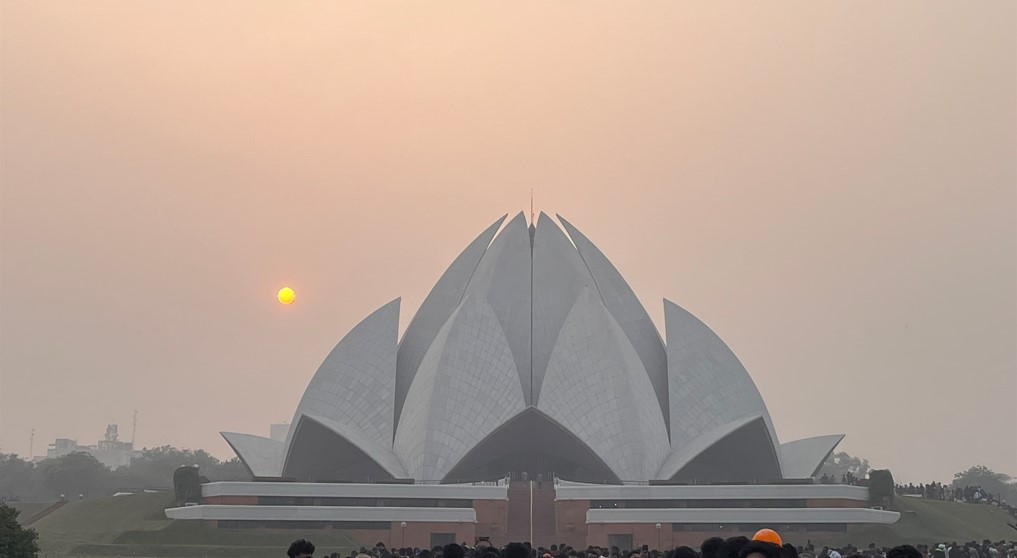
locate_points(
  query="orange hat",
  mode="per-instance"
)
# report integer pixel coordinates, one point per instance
(768, 535)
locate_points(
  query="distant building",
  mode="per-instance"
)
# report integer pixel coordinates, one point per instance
(109, 451)
(62, 447)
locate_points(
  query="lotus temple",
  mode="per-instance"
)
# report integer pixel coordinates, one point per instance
(531, 398)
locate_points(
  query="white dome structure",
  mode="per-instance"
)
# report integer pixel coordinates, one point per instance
(531, 354)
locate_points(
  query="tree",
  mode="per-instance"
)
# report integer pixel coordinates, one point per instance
(15, 540)
(881, 487)
(997, 484)
(841, 463)
(154, 468)
(76, 473)
(82, 474)
(230, 470)
(169, 458)
(15, 477)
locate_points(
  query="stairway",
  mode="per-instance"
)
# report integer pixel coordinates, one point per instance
(518, 529)
(544, 524)
(44, 512)
(544, 529)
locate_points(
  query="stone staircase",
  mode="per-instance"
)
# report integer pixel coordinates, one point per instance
(44, 512)
(519, 510)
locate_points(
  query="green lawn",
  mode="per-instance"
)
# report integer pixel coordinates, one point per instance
(927, 522)
(101, 520)
(136, 525)
(28, 509)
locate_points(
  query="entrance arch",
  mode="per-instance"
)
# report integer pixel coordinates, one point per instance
(534, 443)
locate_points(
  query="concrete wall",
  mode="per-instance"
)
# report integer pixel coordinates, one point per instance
(415, 534)
(492, 518)
(642, 533)
(570, 521)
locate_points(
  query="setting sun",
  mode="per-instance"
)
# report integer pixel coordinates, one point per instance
(286, 295)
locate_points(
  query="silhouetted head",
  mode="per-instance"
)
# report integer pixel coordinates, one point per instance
(516, 550)
(300, 548)
(903, 551)
(710, 547)
(731, 547)
(490, 552)
(759, 549)
(685, 552)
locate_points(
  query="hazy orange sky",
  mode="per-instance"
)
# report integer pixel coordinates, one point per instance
(831, 187)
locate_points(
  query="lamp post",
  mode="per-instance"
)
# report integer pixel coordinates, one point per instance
(658, 536)
(402, 535)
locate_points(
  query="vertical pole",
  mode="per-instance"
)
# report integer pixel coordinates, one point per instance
(531, 514)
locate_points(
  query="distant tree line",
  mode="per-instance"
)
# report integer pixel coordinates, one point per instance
(82, 475)
(839, 464)
(1000, 485)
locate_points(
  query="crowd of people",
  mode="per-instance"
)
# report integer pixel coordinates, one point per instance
(765, 544)
(846, 478)
(932, 490)
(939, 491)
(968, 494)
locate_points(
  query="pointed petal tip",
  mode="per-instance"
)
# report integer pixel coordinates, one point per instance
(516, 225)
(543, 219)
(569, 227)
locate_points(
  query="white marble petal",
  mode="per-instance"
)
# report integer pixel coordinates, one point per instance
(597, 388)
(466, 387)
(740, 451)
(803, 458)
(709, 387)
(682, 455)
(262, 456)
(443, 299)
(378, 452)
(628, 312)
(503, 280)
(559, 275)
(355, 384)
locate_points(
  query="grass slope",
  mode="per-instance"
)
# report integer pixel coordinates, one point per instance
(100, 520)
(28, 509)
(136, 525)
(928, 522)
